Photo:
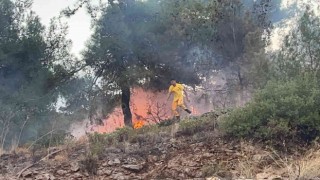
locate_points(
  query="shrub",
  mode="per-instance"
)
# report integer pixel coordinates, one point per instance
(97, 143)
(207, 122)
(283, 110)
(210, 170)
(55, 139)
(89, 163)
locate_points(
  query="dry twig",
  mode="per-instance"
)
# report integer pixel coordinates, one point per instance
(47, 156)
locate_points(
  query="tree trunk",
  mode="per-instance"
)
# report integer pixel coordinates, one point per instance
(240, 78)
(125, 105)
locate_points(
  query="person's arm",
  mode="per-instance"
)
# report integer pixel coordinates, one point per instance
(169, 95)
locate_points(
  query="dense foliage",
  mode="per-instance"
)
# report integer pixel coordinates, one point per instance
(283, 110)
(33, 66)
(287, 108)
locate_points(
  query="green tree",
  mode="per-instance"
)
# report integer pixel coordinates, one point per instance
(32, 71)
(145, 43)
(133, 46)
(286, 109)
(300, 52)
(238, 34)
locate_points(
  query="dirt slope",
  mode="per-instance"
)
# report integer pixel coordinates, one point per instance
(190, 150)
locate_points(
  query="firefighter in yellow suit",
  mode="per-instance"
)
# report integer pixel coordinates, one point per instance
(178, 92)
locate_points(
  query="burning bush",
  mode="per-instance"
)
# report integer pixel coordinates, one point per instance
(138, 124)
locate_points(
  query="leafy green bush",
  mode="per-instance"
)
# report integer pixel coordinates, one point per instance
(97, 143)
(281, 111)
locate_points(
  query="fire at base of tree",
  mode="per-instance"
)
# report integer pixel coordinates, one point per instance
(150, 108)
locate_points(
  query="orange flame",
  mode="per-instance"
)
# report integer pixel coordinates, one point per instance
(138, 124)
(147, 108)
(194, 111)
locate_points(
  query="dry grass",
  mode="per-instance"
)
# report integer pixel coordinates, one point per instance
(257, 162)
(309, 166)
(246, 168)
(70, 147)
(89, 163)
(16, 150)
(82, 140)
(211, 170)
(293, 168)
(63, 156)
(2, 151)
(21, 150)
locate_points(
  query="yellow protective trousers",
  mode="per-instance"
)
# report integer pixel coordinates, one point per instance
(177, 103)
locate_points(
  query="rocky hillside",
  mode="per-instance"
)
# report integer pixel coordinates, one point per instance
(191, 149)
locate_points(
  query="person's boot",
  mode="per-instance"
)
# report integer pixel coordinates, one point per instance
(178, 118)
(188, 111)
